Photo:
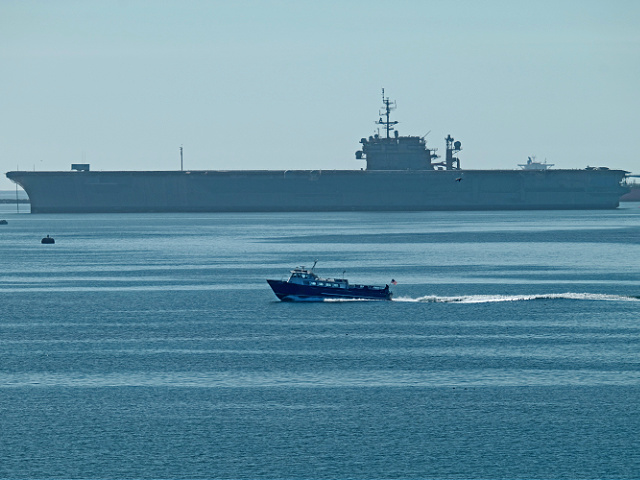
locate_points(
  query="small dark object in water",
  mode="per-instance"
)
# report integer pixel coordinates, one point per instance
(48, 239)
(3, 222)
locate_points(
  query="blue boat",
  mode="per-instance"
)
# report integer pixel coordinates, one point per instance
(304, 285)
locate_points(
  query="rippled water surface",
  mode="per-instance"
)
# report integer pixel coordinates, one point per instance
(150, 346)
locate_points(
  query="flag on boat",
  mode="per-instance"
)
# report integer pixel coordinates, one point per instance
(393, 282)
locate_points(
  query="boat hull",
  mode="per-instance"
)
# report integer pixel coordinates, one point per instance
(308, 191)
(292, 292)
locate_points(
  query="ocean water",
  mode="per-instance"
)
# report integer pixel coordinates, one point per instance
(150, 346)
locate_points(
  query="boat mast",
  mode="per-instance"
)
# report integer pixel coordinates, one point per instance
(388, 107)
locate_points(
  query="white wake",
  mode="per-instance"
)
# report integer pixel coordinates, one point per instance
(518, 298)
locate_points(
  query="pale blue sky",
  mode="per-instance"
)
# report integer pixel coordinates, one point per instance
(295, 85)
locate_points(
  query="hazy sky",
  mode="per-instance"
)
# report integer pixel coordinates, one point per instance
(295, 84)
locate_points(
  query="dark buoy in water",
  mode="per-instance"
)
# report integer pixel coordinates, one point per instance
(48, 239)
(3, 222)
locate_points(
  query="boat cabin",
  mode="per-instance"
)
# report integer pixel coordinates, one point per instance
(302, 276)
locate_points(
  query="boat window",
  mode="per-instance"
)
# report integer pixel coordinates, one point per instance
(313, 283)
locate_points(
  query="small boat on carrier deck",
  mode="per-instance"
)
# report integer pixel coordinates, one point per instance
(304, 285)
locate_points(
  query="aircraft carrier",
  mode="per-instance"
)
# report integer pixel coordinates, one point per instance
(402, 174)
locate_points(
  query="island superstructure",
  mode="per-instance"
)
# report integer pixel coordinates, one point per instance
(402, 174)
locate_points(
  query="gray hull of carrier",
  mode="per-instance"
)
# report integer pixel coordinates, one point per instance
(402, 174)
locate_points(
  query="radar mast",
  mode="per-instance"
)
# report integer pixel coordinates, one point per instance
(388, 107)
